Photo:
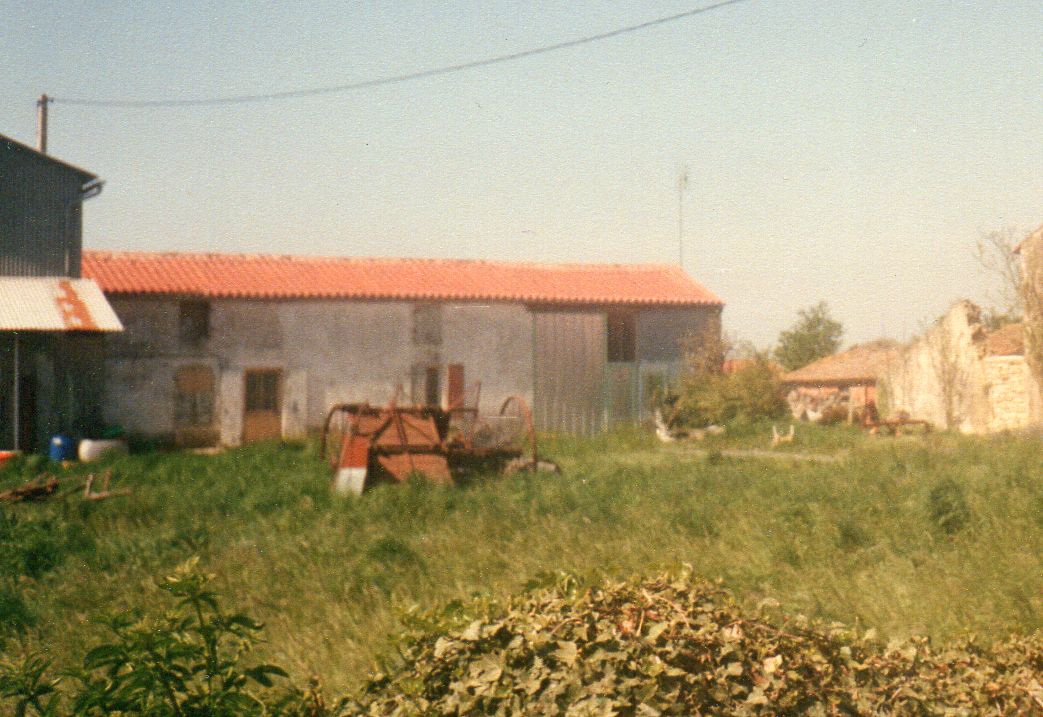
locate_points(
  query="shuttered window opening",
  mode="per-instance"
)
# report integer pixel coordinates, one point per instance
(193, 322)
(194, 397)
(262, 391)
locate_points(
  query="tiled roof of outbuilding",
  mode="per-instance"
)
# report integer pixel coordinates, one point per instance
(859, 364)
(297, 277)
(1006, 341)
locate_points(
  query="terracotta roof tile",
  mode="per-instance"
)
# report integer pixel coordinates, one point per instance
(1006, 341)
(859, 364)
(297, 277)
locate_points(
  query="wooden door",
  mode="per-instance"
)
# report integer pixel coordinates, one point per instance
(262, 414)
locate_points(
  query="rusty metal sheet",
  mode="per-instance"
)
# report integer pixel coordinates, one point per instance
(54, 304)
(433, 467)
(408, 430)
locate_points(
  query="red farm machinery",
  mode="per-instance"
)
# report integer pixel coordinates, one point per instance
(366, 444)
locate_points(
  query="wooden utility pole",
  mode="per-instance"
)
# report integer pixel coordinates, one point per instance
(41, 124)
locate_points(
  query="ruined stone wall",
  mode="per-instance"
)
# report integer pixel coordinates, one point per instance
(946, 377)
(1009, 386)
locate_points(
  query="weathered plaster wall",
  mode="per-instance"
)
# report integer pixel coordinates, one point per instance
(494, 344)
(329, 352)
(938, 377)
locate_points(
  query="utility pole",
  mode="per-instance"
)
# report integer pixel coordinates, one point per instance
(682, 185)
(41, 123)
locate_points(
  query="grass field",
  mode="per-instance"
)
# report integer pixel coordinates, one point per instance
(940, 536)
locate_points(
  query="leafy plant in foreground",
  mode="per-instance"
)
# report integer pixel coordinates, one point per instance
(186, 663)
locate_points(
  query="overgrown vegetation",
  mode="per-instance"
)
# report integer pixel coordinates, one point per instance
(187, 661)
(677, 646)
(885, 539)
(667, 645)
(712, 397)
(706, 394)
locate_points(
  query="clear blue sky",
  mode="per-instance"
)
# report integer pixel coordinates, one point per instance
(838, 150)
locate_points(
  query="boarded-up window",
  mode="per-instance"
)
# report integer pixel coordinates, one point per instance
(193, 322)
(622, 336)
(194, 397)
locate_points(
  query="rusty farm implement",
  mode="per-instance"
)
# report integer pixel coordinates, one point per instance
(366, 444)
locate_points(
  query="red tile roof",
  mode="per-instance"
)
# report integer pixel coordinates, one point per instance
(297, 277)
(859, 364)
(1006, 341)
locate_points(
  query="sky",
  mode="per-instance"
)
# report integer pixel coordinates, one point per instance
(836, 150)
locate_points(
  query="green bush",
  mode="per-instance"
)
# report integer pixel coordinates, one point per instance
(947, 506)
(753, 392)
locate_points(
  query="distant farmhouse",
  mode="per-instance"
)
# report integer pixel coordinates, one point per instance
(224, 349)
(841, 385)
(51, 320)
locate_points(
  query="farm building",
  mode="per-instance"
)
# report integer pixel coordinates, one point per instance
(961, 376)
(841, 385)
(51, 320)
(221, 349)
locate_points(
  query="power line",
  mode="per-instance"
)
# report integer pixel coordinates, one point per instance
(394, 79)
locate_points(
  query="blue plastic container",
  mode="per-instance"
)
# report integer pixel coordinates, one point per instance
(63, 448)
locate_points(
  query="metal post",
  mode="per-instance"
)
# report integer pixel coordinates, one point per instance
(682, 184)
(41, 127)
(15, 378)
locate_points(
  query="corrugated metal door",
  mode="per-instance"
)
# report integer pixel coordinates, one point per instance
(569, 371)
(621, 391)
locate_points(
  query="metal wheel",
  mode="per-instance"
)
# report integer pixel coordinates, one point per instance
(519, 430)
(334, 429)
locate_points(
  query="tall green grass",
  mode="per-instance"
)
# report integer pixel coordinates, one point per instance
(939, 536)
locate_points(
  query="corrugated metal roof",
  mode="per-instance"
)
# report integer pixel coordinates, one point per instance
(54, 303)
(285, 277)
(9, 143)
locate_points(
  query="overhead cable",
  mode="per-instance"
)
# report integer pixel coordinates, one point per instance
(394, 79)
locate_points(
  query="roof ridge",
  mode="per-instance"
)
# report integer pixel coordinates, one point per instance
(133, 253)
(286, 275)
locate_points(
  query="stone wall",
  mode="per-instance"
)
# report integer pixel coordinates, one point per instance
(947, 377)
(1008, 385)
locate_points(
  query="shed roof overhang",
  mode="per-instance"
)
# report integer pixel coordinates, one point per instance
(54, 303)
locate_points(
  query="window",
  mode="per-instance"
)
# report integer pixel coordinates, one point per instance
(622, 336)
(262, 390)
(426, 385)
(194, 397)
(193, 322)
(427, 325)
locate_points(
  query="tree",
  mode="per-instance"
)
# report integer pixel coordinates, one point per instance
(814, 335)
(995, 253)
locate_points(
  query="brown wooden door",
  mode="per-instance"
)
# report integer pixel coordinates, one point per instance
(262, 414)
